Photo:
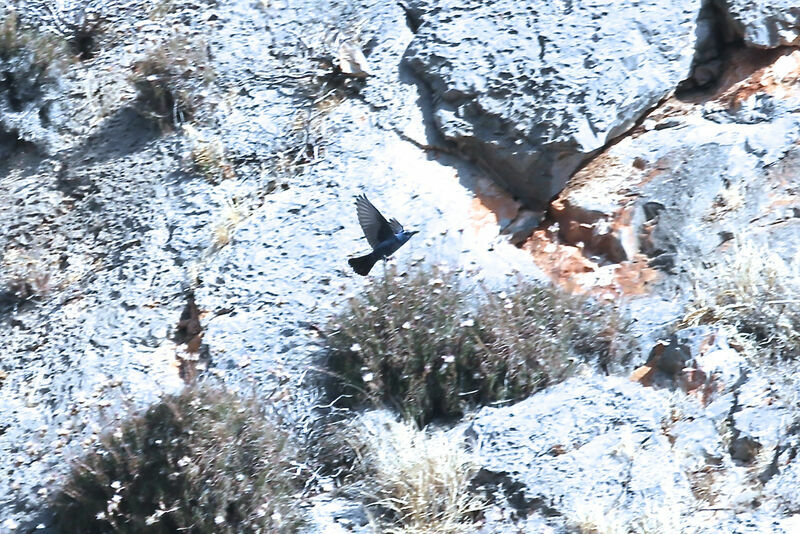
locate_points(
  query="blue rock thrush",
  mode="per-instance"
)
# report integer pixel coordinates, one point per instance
(385, 237)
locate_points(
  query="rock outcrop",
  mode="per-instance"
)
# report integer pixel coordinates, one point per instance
(765, 23)
(602, 454)
(543, 446)
(531, 91)
(696, 174)
(109, 232)
(101, 241)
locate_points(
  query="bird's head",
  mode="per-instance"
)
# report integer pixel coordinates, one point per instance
(405, 235)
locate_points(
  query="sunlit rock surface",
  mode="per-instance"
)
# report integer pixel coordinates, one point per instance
(116, 233)
(765, 23)
(533, 90)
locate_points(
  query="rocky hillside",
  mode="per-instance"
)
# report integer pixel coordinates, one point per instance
(597, 328)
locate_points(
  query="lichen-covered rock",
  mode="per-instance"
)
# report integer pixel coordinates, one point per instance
(765, 23)
(532, 90)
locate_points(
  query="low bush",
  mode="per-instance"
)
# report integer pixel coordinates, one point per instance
(754, 292)
(429, 344)
(205, 460)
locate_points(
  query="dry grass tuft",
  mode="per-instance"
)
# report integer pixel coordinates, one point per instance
(416, 481)
(26, 276)
(430, 346)
(172, 80)
(38, 50)
(161, 8)
(29, 60)
(206, 460)
(303, 145)
(591, 518)
(207, 156)
(756, 293)
(208, 159)
(79, 22)
(232, 214)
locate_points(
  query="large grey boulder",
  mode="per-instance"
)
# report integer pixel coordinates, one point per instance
(765, 23)
(532, 90)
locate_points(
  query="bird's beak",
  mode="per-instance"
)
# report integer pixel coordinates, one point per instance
(412, 232)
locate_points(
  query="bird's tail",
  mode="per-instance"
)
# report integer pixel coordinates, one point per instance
(363, 264)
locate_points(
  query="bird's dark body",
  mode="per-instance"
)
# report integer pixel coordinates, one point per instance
(385, 237)
(363, 264)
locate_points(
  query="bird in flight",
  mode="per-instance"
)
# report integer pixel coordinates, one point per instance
(385, 237)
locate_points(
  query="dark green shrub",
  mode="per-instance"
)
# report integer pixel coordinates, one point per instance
(202, 461)
(429, 346)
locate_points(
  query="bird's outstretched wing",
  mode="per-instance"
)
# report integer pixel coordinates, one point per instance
(395, 225)
(376, 227)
